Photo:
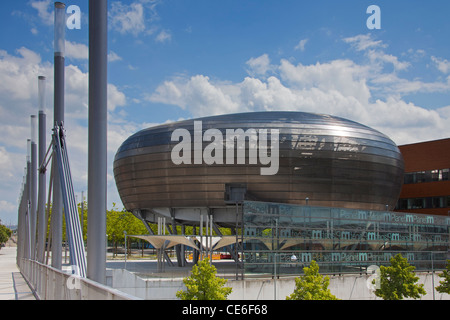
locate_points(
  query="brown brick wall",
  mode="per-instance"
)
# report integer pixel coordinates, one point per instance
(426, 155)
(421, 157)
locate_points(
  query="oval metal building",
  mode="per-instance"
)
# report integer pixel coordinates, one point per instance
(181, 168)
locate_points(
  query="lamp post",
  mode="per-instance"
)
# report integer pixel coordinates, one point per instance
(97, 146)
(42, 223)
(33, 189)
(125, 234)
(58, 118)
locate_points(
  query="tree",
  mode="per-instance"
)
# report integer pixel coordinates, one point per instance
(444, 286)
(398, 281)
(5, 234)
(119, 221)
(203, 284)
(3, 237)
(312, 285)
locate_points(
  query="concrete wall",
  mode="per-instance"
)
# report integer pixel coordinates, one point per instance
(348, 287)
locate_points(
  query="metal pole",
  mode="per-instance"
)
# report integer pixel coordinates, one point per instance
(275, 277)
(125, 235)
(42, 224)
(82, 211)
(27, 211)
(210, 236)
(97, 171)
(33, 189)
(432, 274)
(201, 236)
(58, 117)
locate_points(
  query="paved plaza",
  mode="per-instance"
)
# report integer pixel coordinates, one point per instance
(12, 284)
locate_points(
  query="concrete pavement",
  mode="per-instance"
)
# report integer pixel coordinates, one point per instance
(12, 284)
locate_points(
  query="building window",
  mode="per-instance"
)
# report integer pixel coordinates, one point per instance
(436, 175)
(423, 203)
(438, 202)
(420, 176)
(409, 178)
(426, 176)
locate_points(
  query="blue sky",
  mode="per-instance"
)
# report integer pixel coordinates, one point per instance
(177, 59)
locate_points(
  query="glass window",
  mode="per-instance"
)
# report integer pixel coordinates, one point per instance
(435, 175)
(402, 204)
(445, 174)
(420, 176)
(429, 202)
(409, 178)
(438, 202)
(418, 203)
(428, 176)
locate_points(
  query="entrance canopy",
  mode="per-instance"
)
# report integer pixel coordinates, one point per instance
(159, 241)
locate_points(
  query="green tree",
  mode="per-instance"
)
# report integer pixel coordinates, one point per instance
(3, 236)
(444, 286)
(5, 233)
(6, 230)
(398, 281)
(119, 221)
(312, 285)
(203, 284)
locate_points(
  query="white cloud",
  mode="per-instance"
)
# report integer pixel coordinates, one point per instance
(163, 36)
(343, 76)
(197, 94)
(374, 50)
(443, 65)
(45, 10)
(138, 18)
(301, 45)
(115, 98)
(77, 51)
(259, 66)
(127, 18)
(18, 100)
(365, 93)
(112, 57)
(364, 41)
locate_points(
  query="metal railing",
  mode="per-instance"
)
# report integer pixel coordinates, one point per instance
(49, 283)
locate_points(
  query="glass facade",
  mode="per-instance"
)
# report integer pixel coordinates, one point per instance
(423, 203)
(426, 176)
(284, 238)
(329, 160)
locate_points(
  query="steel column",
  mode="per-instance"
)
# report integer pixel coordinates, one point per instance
(42, 223)
(33, 187)
(97, 166)
(58, 118)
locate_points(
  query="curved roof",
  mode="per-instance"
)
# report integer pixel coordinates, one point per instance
(330, 160)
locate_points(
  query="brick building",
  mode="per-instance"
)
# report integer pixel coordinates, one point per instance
(426, 187)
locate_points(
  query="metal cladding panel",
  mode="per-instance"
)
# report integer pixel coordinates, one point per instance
(329, 160)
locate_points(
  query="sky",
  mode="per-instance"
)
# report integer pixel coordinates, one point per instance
(170, 60)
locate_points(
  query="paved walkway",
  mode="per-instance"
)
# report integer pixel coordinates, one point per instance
(12, 284)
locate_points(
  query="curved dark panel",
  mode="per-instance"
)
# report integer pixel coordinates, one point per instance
(330, 160)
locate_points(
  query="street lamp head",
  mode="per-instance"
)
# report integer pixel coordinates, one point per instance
(60, 29)
(41, 92)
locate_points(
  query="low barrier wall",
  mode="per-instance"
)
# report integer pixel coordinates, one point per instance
(345, 287)
(51, 284)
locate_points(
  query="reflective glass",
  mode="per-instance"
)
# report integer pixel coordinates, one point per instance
(340, 240)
